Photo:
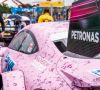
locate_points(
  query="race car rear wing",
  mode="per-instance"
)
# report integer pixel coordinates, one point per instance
(84, 28)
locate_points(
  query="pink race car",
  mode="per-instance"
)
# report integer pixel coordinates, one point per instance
(41, 58)
(36, 60)
(31, 60)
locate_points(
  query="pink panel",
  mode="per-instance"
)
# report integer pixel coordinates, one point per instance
(0, 64)
(13, 80)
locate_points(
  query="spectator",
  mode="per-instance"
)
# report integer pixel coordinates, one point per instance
(68, 14)
(2, 23)
(2, 26)
(46, 17)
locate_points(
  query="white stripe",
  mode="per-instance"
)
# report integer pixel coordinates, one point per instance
(82, 4)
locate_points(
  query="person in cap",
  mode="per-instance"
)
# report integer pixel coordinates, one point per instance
(46, 17)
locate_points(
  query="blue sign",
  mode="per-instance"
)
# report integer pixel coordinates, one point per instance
(36, 9)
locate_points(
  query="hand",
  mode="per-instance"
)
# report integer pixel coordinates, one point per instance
(1, 34)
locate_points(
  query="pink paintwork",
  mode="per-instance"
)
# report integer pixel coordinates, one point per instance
(48, 68)
(13, 80)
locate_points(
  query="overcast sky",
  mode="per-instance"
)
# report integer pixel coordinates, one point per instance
(10, 3)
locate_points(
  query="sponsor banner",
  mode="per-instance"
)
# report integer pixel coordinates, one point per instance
(35, 9)
(49, 3)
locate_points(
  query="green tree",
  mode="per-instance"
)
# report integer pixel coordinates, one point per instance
(4, 8)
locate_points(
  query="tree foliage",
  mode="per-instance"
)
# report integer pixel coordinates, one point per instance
(4, 8)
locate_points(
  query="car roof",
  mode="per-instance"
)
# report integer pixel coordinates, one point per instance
(49, 28)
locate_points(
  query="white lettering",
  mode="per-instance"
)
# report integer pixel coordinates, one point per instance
(80, 35)
(92, 37)
(72, 34)
(96, 37)
(85, 36)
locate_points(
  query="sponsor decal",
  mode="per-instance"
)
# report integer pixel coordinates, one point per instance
(85, 36)
(96, 72)
(10, 63)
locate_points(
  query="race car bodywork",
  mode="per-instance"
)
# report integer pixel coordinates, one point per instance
(39, 65)
(41, 60)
